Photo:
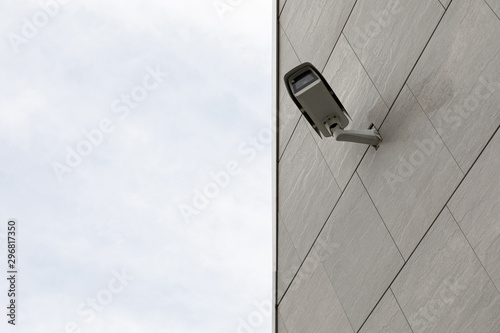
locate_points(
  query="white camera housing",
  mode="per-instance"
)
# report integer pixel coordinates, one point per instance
(322, 108)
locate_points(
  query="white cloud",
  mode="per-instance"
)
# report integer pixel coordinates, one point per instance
(118, 207)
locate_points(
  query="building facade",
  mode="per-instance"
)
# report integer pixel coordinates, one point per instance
(405, 238)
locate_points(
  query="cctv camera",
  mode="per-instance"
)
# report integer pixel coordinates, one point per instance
(322, 108)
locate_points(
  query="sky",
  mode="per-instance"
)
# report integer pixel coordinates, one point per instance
(135, 157)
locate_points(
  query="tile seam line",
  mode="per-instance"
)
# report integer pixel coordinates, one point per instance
(385, 225)
(380, 299)
(369, 77)
(293, 248)
(364, 154)
(432, 124)
(314, 242)
(400, 308)
(341, 33)
(289, 139)
(279, 314)
(282, 8)
(487, 4)
(279, 78)
(468, 242)
(324, 159)
(337, 294)
(288, 39)
(412, 69)
(319, 233)
(327, 60)
(433, 222)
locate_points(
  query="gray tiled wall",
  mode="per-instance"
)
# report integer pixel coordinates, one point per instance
(405, 238)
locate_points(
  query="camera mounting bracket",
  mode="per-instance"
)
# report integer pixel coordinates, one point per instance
(371, 136)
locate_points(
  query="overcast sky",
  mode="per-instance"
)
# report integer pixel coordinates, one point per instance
(135, 155)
